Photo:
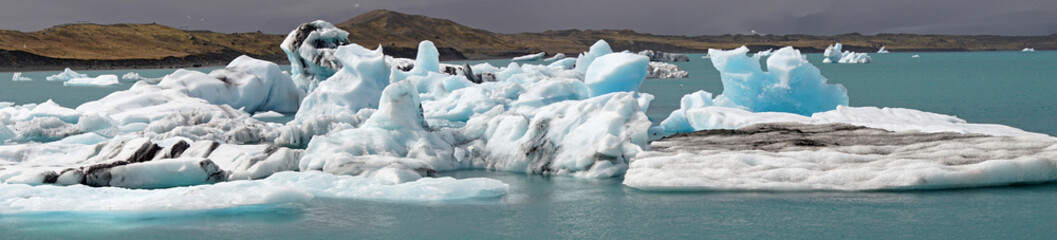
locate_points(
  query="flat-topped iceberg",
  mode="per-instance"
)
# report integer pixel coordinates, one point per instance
(1028, 50)
(657, 56)
(98, 81)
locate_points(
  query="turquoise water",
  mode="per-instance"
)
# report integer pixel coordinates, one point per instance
(1010, 88)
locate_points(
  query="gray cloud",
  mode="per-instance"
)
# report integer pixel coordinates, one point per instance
(677, 17)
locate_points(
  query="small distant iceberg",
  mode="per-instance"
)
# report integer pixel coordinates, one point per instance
(100, 81)
(1028, 50)
(556, 57)
(665, 70)
(657, 56)
(833, 54)
(66, 75)
(18, 77)
(134, 76)
(530, 57)
(882, 50)
(915, 56)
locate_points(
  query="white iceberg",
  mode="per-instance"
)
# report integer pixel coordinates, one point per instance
(765, 53)
(99, 81)
(556, 57)
(66, 75)
(665, 70)
(1028, 50)
(530, 57)
(246, 83)
(833, 54)
(882, 50)
(18, 77)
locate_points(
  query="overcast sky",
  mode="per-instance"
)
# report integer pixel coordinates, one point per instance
(670, 17)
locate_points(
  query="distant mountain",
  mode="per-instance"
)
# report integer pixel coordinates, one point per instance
(129, 45)
(152, 45)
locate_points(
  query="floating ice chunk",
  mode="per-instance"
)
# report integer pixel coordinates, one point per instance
(310, 49)
(18, 77)
(25, 199)
(833, 54)
(131, 76)
(46, 109)
(166, 174)
(99, 81)
(556, 57)
(601, 47)
(915, 56)
(426, 189)
(618, 72)
(247, 83)
(665, 70)
(791, 83)
(66, 75)
(882, 50)
(530, 57)
(656, 56)
(839, 157)
(1028, 50)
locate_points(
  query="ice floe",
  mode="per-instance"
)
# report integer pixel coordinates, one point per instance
(665, 70)
(18, 77)
(98, 81)
(66, 75)
(833, 54)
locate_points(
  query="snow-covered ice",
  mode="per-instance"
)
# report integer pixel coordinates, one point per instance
(882, 50)
(1028, 50)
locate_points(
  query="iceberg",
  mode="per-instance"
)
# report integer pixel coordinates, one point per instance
(99, 81)
(882, 50)
(617, 72)
(665, 70)
(808, 157)
(656, 56)
(601, 47)
(1028, 50)
(18, 77)
(791, 83)
(556, 57)
(249, 84)
(833, 54)
(66, 75)
(530, 57)
(310, 49)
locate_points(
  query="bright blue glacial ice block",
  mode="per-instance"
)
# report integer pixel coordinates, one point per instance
(616, 72)
(791, 83)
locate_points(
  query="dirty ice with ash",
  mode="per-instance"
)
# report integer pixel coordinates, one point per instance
(371, 126)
